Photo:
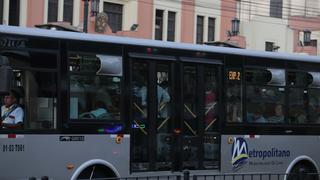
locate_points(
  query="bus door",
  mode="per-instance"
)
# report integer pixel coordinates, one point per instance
(199, 139)
(151, 112)
(173, 114)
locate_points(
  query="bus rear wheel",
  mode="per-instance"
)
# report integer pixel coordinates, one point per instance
(96, 171)
(303, 170)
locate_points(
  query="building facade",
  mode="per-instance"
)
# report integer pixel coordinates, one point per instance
(273, 25)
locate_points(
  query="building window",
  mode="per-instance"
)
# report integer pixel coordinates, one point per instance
(14, 12)
(211, 27)
(53, 11)
(171, 25)
(68, 11)
(159, 24)
(114, 12)
(200, 22)
(276, 8)
(1, 11)
(269, 46)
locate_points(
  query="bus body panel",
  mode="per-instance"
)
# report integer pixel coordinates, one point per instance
(266, 153)
(49, 155)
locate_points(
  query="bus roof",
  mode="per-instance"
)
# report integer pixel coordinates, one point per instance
(153, 43)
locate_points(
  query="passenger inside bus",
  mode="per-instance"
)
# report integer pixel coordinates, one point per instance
(163, 100)
(99, 112)
(210, 103)
(278, 116)
(12, 113)
(297, 115)
(256, 116)
(140, 96)
(234, 109)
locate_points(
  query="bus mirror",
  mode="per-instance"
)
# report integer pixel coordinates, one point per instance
(315, 82)
(110, 65)
(277, 77)
(6, 74)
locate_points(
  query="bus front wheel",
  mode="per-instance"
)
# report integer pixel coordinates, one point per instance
(97, 171)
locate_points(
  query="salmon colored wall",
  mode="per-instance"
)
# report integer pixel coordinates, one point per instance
(299, 24)
(239, 41)
(187, 21)
(145, 21)
(35, 12)
(228, 12)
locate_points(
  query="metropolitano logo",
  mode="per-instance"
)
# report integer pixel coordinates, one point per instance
(239, 153)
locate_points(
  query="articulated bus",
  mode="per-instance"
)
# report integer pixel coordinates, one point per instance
(98, 106)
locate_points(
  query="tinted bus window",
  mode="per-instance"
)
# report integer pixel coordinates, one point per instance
(36, 83)
(234, 95)
(92, 96)
(140, 124)
(304, 99)
(265, 95)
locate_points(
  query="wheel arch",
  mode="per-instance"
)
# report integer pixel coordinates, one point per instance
(302, 159)
(89, 163)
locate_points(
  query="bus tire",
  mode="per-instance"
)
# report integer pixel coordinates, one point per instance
(97, 171)
(303, 170)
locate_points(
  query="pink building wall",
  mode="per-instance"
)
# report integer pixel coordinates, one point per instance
(299, 24)
(145, 21)
(35, 12)
(229, 12)
(187, 21)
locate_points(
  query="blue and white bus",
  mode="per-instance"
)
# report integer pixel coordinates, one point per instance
(98, 106)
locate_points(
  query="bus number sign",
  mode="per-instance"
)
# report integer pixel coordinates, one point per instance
(234, 75)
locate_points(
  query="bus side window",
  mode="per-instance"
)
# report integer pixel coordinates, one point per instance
(234, 96)
(298, 97)
(39, 83)
(40, 100)
(93, 94)
(265, 94)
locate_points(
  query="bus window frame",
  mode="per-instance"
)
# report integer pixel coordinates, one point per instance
(56, 71)
(305, 88)
(78, 124)
(268, 128)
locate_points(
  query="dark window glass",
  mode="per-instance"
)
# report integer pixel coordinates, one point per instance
(159, 25)
(37, 89)
(68, 11)
(200, 21)
(299, 79)
(1, 11)
(211, 27)
(314, 106)
(164, 118)
(313, 43)
(269, 46)
(114, 12)
(171, 25)
(140, 123)
(92, 96)
(234, 95)
(211, 128)
(265, 94)
(52, 10)
(298, 105)
(190, 117)
(304, 101)
(14, 12)
(276, 8)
